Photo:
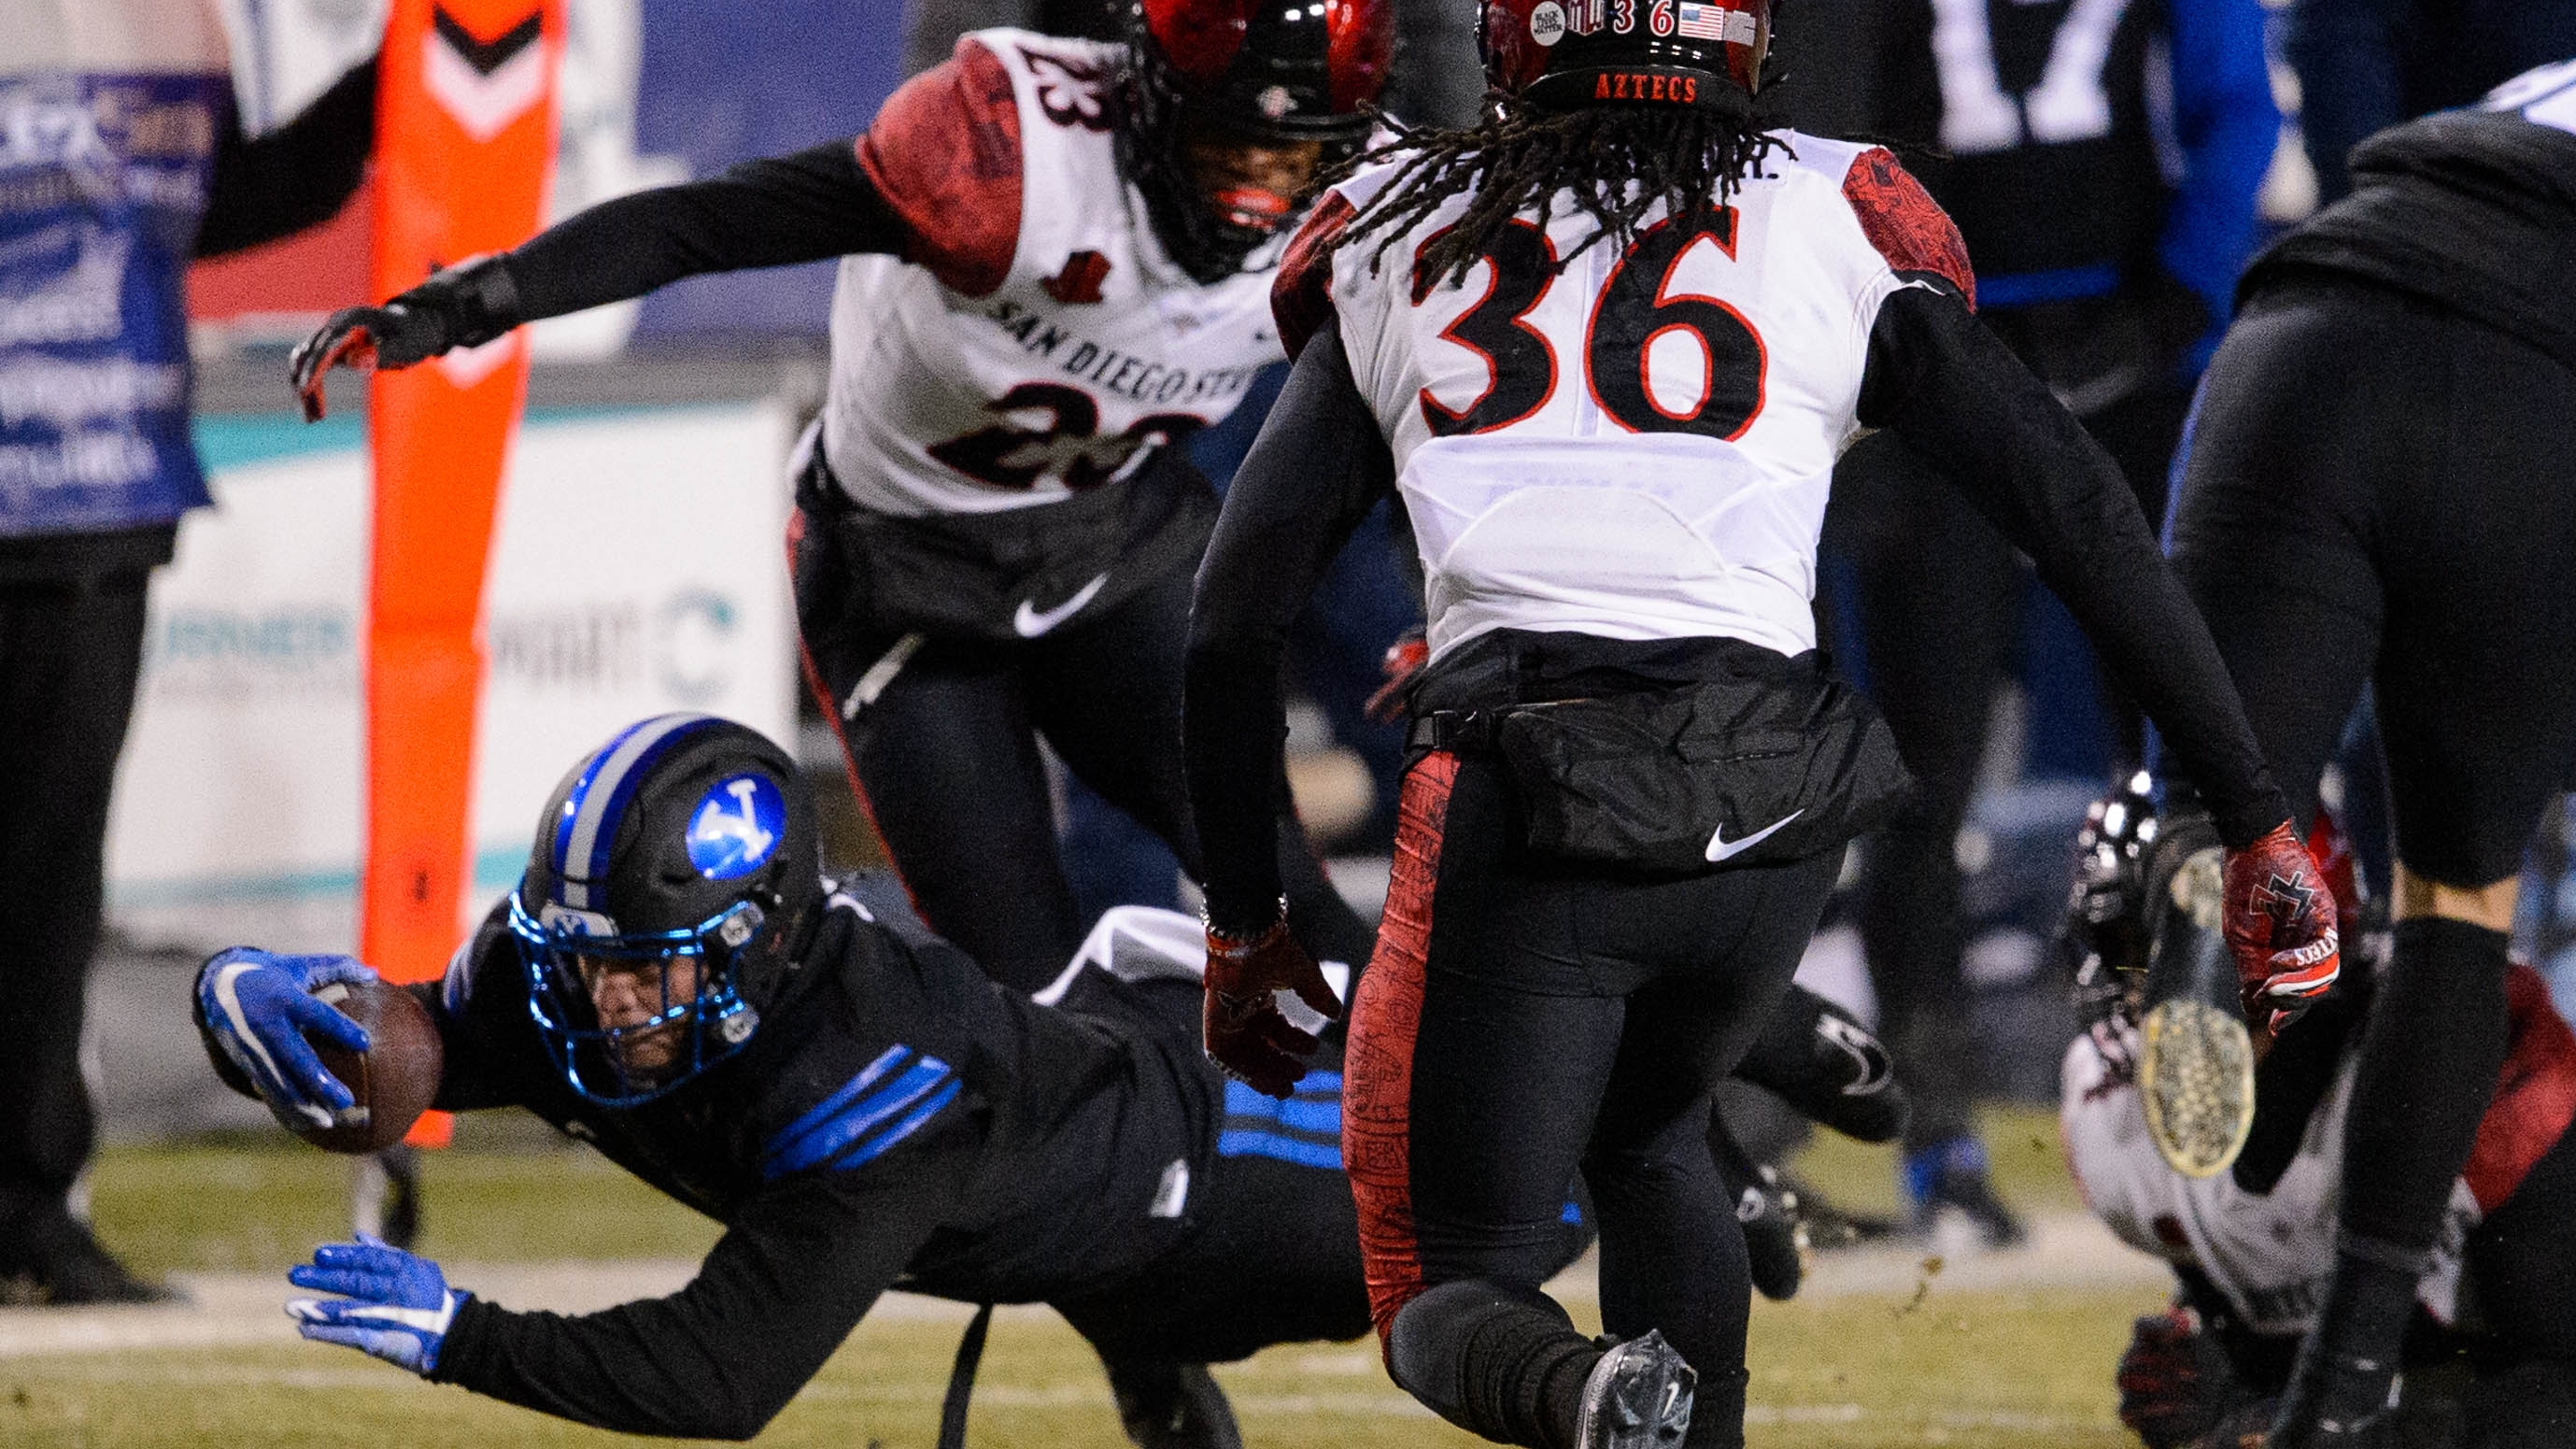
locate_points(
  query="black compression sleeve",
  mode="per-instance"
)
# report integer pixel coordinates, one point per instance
(805, 207)
(1318, 467)
(1950, 389)
(793, 1274)
(294, 177)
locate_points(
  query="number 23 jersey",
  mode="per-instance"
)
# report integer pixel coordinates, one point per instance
(1637, 443)
(1035, 340)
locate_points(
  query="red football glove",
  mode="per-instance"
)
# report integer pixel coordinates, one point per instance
(1402, 665)
(2174, 1380)
(1248, 1036)
(2280, 919)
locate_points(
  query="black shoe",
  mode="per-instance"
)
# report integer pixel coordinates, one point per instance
(2337, 1401)
(1172, 1406)
(1952, 1175)
(1637, 1397)
(1774, 1239)
(1819, 1059)
(58, 1263)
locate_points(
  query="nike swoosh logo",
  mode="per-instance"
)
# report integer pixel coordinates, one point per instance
(1721, 850)
(1031, 623)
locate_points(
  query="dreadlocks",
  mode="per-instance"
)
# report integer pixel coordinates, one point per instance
(1618, 163)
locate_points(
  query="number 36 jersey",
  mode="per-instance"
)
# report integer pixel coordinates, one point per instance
(1034, 341)
(1632, 443)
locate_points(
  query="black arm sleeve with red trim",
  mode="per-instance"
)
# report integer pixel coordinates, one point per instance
(1951, 390)
(794, 1272)
(806, 207)
(1318, 467)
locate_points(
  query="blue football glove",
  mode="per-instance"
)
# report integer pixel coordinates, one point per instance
(260, 1006)
(394, 1306)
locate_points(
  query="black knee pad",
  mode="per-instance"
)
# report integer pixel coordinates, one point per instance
(1497, 1359)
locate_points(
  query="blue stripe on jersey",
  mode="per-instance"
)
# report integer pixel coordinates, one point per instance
(902, 1129)
(1302, 1113)
(1572, 1217)
(1235, 1143)
(860, 1107)
(1259, 1126)
(892, 1057)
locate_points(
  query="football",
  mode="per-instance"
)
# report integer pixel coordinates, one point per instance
(394, 1080)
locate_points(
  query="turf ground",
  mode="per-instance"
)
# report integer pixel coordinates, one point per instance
(1884, 1350)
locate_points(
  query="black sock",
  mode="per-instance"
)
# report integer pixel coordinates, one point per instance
(2436, 1040)
(1494, 1359)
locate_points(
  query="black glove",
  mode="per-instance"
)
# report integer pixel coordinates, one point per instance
(463, 306)
(2175, 1380)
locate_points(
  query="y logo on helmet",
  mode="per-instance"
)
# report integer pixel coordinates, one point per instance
(736, 827)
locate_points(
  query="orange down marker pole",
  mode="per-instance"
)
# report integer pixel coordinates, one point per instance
(465, 134)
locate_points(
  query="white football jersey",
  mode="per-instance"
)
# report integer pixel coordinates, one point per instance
(1093, 349)
(1640, 446)
(2269, 1254)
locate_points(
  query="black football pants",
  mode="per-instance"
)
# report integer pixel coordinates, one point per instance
(1940, 596)
(2377, 490)
(1522, 1023)
(69, 654)
(943, 751)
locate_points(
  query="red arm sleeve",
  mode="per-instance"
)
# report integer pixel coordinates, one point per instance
(1301, 296)
(945, 155)
(1907, 226)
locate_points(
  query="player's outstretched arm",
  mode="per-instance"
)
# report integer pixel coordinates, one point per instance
(1950, 389)
(1318, 467)
(796, 1270)
(812, 205)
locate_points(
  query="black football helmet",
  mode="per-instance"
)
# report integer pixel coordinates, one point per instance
(1254, 70)
(684, 836)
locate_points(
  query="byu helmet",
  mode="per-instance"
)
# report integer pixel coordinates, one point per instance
(684, 837)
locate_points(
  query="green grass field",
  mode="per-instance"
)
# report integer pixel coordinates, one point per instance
(1914, 1365)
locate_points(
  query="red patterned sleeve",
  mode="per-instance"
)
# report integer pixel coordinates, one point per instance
(1908, 227)
(1301, 296)
(945, 155)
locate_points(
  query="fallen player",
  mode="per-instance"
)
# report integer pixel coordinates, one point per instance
(2252, 1246)
(861, 1108)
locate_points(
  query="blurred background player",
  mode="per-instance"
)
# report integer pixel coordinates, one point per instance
(858, 1105)
(1604, 347)
(2365, 65)
(2491, 1349)
(1370, 602)
(2374, 492)
(1055, 267)
(2101, 161)
(125, 156)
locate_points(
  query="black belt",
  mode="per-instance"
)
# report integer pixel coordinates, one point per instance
(1452, 729)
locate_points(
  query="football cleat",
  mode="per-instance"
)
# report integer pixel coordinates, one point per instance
(2195, 1056)
(1637, 1397)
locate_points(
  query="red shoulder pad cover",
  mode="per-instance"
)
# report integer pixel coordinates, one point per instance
(1301, 296)
(944, 152)
(1907, 226)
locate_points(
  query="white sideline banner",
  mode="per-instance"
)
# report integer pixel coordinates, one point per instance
(638, 567)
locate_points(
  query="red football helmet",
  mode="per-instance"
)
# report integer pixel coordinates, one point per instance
(1566, 53)
(1271, 69)
(1276, 71)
